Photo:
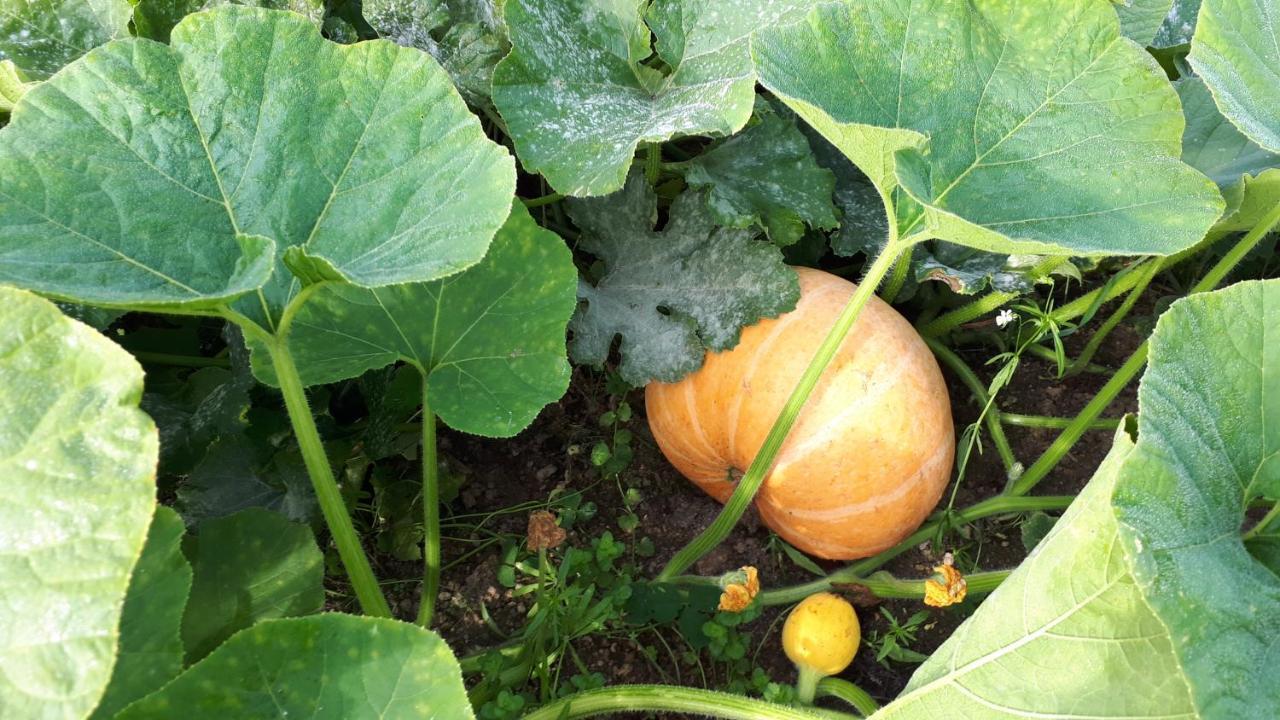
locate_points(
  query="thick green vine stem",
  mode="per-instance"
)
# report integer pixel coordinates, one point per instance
(849, 693)
(1053, 423)
(673, 699)
(897, 278)
(807, 684)
(1146, 274)
(430, 514)
(1133, 366)
(329, 497)
(998, 505)
(970, 379)
(760, 466)
(986, 304)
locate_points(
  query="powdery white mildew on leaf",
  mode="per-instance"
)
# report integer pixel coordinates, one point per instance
(77, 472)
(1236, 50)
(1005, 126)
(327, 667)
(249, 157)
(1179, 25)
(766, 177)
(578, 99)
(670, 295)
(155, 19)
(41, 36)
(490, 341)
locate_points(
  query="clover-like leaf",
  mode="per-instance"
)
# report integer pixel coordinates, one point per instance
(1140, 20)
(248, 567)
(328, 667)
(151, 650)
(767, 177)
(188, 175)
(579, 92)
(77, 471)
(1236, 50)
(1071, 604)
(155, 19)
(41, 36)
(1000, 125)
(670, 295)
(1209, 444)
(468, 37)
(493, 333)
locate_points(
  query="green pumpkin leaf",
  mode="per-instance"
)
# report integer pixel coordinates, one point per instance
(711, 281)
(863, 225)
(77, 471)
(189, 175)
(766, 177)
(155, 19)
(328, 667)
(1209, 432)
(1145, 588)
(251, 566)
(235, 475)
(13, 85)
(578, 100)
(976, 134)
(1140, 20)
(493, 333)
(151, 648)
(41, 36)
(1236, 50)
(467, 37)
(1072, 604)
(1179, 25)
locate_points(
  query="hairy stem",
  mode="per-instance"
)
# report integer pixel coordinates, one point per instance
(806, 684)
(971, 381)
(849, 693)
(1146, 274)
(760, 466)
(672, 699)
(1264, 523)
(998, 505)
(327, 494)
(1054, 423)
(544, 200)
(430, 514)
(897, 278)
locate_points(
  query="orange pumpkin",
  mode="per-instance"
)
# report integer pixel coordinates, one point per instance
(868, 457)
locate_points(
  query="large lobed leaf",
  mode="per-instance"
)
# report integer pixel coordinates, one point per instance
(155, 19)
(578, 99)
(77, 470)
(673, 295)
(1001, 125)
(41, 36)
(1236, 49)
(1144, 601)
(189, 175)
(1140, 20)
(327, 667)
(489, 341)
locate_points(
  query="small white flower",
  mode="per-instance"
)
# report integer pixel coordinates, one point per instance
(1005, 317)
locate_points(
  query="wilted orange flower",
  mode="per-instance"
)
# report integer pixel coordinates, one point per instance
(947, 586)
(544, 533)
(740, 588)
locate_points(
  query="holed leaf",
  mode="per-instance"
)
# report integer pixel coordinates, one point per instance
(151, 649)
(579, 91)
(155, 19)
(670, 295)
(1236, 50)
(1005, 126)
(767, 177)
(490, 341)
(328, 667)
(1209, 444)
(41, 36)
(170, 176)
(77, 470)
(248, 567)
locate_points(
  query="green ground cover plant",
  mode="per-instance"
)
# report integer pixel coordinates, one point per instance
(268, 267)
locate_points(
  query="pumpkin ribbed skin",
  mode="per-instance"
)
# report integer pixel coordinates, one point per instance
(869, 455)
